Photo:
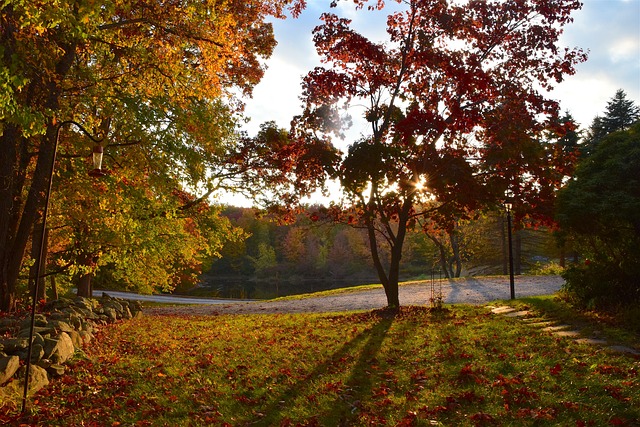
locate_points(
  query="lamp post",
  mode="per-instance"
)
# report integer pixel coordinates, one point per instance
(95, 172)
(508, 205)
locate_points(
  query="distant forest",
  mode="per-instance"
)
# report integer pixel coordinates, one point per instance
(311, 255)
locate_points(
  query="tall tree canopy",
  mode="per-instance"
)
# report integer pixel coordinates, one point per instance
(620, 114)
(600, 208)
(455, 108)
(154, 79)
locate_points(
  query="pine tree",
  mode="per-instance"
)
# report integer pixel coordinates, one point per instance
(620, 114)
(569, 141)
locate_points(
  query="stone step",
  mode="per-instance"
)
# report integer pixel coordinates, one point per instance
(534, 320)
(522, 313)
(624, 349)
(542, 324)
(567, 333)
(561, 330)
(591, 341)
(556, 328)
(503, 310)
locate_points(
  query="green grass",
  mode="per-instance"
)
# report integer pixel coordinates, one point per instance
(617, 327)
(329, 292)
(347, 290)
(205, 293)
(458, 367)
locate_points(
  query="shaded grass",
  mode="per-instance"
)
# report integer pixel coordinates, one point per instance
(365, 287)
(459, 366)
(330, 292)
(616, 327)
(205, 293)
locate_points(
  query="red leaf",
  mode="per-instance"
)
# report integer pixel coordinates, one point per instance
(618, 422)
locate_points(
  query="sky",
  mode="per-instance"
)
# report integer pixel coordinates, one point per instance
(609, 30)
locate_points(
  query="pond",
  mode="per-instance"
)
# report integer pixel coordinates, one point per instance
(249, 288)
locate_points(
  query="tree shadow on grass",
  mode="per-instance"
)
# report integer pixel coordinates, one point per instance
(358, 386)
(479, 290)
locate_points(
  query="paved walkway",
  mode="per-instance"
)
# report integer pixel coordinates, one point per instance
(466, 290)
(560, 330)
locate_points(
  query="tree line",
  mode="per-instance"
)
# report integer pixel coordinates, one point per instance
(457, 121)
(315, 244)
(598, 210)
(326, 254)
(158, 87)
(453, 98)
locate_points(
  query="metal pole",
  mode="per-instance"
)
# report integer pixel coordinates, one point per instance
(511, 284)
(38, 271)
(45, 212)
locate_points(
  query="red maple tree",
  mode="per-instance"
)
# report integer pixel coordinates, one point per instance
(457, 114)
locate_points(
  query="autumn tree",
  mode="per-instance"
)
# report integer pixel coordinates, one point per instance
(447, 243)
(569, 137)
(126, 240)
(454, 103)
(162, 75)
(347, 253)
(620, 114)
(294, 248)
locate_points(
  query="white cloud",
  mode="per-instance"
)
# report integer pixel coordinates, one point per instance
(624, 49)
(610, 31)
(585, 96)
(276, 97)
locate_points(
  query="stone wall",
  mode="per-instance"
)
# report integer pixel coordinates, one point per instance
(62, 327)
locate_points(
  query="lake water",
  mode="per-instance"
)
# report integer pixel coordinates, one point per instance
(268, 289)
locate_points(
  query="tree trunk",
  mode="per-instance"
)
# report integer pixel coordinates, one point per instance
(7, 298)
(517, 253)
(503, 241)
(442, 256)
(35, 254)
(377, 263)
(84, 285)
(42, 285)
(17, 220)
(391, 291)
(393, 298)
(12, 172)
(84, 281)
(54, 288)
(455, 258)
(391, 278)
(18, 237)
(13, 166)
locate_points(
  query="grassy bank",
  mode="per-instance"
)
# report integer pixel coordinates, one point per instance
(461, 367)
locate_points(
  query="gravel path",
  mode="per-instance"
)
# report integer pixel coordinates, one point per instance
(467, 290)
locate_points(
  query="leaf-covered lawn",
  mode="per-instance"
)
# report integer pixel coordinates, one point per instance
(461, 367)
